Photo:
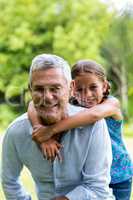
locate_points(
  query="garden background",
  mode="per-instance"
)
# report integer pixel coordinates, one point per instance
(72, 29)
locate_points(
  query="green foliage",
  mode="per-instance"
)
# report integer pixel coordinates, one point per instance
(6, 116)
(119, 42)
(128, 127)
(26, 29)
(117, 51)
(83, 33)
(72, 29)
(30, 27)
(130, 102)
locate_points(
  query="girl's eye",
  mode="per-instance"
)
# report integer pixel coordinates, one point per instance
(93, 87)
(79, 89)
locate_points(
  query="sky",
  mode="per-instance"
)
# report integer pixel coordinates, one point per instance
(119, 4)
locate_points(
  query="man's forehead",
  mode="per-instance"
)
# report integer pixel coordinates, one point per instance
(47, 85)
(51, 71)
(48, 78)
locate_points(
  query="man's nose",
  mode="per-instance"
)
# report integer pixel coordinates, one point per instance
(47, 95)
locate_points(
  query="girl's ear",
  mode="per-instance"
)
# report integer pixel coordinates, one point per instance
(106, 89)
(105, 86)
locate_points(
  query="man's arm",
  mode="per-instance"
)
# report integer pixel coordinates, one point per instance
(11, 168)
(96, 168)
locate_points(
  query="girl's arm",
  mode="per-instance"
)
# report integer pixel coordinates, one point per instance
(51, 149)
(109, 107)
(32, 114)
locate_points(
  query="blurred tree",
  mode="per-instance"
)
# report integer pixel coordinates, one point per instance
(26, 29)
(117, 50)
(72, 29)
(83, 33)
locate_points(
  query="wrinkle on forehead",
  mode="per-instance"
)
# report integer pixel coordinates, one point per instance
(47, 77)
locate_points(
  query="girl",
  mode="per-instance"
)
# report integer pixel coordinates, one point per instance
(91, 90)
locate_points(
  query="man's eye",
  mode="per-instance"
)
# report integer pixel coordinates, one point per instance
(38, 89)
(55, 89)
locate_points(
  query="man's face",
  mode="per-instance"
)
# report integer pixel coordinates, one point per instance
(50, 94)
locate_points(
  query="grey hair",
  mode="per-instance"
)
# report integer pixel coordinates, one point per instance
(47, 61)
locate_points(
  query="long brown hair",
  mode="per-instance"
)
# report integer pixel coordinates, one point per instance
(90, 66)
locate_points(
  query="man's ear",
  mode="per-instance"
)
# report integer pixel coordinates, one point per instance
(29, 87)
(72, 86)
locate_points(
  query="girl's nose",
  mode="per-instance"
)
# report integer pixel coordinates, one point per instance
(88, 93)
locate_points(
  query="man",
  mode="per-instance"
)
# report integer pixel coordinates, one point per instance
(84, 173)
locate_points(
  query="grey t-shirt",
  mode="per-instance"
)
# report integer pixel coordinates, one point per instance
(84, 173)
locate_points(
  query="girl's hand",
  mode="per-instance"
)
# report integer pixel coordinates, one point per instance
(41, 133)
(51, 149)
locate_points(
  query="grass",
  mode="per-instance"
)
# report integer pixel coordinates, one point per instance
(128, 130)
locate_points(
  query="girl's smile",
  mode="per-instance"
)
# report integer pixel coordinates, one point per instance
(89, 89)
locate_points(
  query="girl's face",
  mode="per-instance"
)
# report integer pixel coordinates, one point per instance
(89, 89)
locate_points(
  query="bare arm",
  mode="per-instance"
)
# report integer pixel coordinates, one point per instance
(32, 114)
(109, 107)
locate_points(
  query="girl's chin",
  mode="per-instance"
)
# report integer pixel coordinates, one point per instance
(89, 105)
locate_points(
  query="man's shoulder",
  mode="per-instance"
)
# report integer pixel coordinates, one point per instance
(100, 124)
(20, 124)
(20, 119)
(73, 110)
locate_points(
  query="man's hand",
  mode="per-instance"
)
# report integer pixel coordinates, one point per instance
(60, 198)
